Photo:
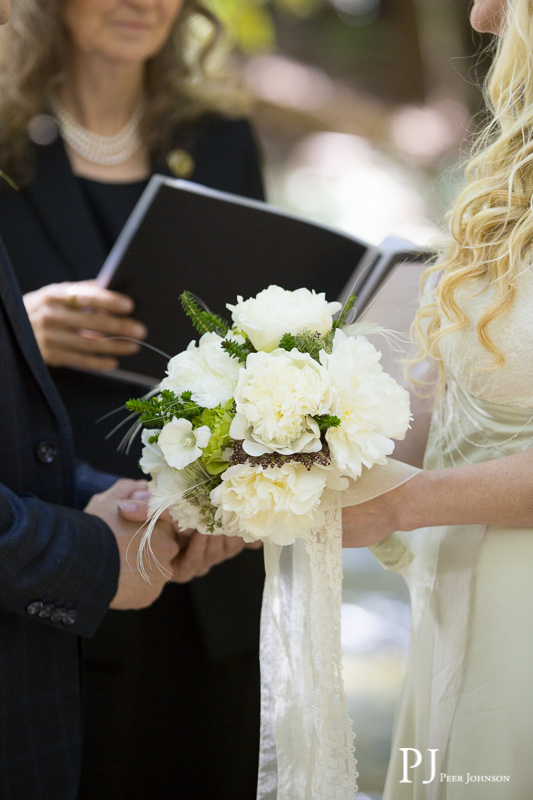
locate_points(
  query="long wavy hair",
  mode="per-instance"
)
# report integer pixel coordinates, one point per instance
(491, 222)
(34, 60)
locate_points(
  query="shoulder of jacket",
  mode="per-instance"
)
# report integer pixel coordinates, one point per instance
(209, 129)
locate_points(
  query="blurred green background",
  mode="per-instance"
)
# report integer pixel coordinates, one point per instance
(361, 105)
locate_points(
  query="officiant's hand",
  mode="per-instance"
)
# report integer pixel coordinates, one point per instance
(73, 323)
(133, 590)
(198, 553)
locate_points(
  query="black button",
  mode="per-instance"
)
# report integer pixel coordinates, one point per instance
(46, 452)
(58, 615)
(70, 617)
(47, 611)
(35, 608)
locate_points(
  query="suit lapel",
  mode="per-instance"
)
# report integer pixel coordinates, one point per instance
(59, 203)
(14, 307)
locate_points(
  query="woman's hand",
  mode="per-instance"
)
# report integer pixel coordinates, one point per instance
(72, 323)
(369, 523)
(497, 492)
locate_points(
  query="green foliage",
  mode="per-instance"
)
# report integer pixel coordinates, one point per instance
(199, 497)
(288, 342)
(157, 411)
(345, 310)
(250, 23)
(203, 321)
(218, 421)
(326, 421)
(239, 350)
(308, 342)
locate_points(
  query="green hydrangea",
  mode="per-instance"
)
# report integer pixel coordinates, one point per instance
(218, 420)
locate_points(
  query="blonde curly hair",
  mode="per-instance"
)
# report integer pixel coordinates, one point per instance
(491, 222)
(34, 58)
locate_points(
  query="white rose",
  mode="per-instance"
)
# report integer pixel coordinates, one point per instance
(152, 459)
(275, 311)
(372, 407)
(278, 503)
(206, 370)
(180, 444)
(276, 396)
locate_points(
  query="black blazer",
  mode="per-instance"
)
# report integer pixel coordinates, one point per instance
(51, 236)
(58, 570)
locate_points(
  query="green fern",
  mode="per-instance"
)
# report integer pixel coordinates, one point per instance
(239, 350)
(157, 411)
(345, 310)
(203, 321)
(326, 421)
(308, 342)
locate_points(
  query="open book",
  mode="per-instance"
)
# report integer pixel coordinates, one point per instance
(185, 236)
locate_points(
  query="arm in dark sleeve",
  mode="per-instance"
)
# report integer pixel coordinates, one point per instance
(58, 557)
(91, 481)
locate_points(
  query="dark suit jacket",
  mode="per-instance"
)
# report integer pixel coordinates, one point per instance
(51, 236)
(58, 570)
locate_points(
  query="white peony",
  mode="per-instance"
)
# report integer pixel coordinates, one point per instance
(152, 459)
(180, 444)
(275, 311)
(206, 370)
(276, 396)
(372, 407)
(278, 503)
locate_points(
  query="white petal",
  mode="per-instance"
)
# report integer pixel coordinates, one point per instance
(202, 435)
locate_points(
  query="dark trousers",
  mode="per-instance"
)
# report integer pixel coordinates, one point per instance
(163, 721)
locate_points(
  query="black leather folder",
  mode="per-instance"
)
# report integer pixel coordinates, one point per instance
(216, 245)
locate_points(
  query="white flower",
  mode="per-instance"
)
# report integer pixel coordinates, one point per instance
(275, 311)
(180, 444)
(372, 407)
(276, 396)
(206, 370)
(278, 503)
(152, 459)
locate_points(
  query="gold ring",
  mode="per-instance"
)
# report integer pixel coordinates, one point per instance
(72, 298)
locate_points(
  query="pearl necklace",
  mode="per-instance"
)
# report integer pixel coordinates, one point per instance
(104, 150)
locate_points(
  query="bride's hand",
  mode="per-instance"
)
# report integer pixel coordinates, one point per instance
(369, 523)
(72, 323)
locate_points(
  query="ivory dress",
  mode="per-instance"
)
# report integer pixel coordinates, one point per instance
(468, 691)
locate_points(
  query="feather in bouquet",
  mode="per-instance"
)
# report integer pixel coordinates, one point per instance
(261, 415)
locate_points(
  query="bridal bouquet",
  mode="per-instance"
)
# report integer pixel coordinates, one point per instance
(255, 420)
(262, 429)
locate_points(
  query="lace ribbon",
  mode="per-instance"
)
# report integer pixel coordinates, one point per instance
(307, 750)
